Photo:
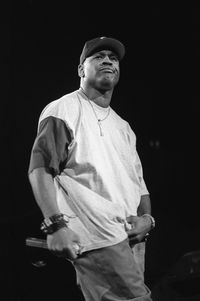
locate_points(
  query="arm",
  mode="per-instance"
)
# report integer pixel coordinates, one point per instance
(48, 158)
(64, 241)
(145, 205)
(143, 222)
(44, 191)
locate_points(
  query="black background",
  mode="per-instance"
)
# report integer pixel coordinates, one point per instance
(158, 95)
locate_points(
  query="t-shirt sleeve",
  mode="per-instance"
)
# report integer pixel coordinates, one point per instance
(50, 149)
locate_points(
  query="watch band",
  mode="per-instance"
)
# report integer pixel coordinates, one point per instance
(54, 223)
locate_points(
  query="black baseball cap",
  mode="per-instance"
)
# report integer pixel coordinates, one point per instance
(102, 43)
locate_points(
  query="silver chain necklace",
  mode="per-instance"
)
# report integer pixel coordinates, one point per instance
(98, 119)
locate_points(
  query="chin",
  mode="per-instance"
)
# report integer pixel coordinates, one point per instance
(106, 84)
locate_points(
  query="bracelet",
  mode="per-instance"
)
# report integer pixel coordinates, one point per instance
(153, 223)
(54, 223)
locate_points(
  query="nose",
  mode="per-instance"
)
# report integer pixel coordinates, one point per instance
(107, 60)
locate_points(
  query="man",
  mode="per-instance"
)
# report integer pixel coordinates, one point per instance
(87, 179)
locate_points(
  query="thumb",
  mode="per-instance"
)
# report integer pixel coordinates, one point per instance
(76, 242)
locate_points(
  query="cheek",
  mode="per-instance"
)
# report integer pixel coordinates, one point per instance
(89, 71)
(117, 68)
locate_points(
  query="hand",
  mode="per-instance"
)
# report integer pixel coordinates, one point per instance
(64, 243)
(140, 226)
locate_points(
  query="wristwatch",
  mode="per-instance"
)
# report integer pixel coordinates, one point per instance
(55, 218)
(54, 223)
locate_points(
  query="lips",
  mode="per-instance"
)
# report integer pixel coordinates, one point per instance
(107, 70)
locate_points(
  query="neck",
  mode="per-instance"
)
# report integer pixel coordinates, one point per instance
(101, 98)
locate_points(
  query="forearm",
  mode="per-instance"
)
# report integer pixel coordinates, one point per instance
(144, 210)
(44, 191)
(145, 205)
(63, 242)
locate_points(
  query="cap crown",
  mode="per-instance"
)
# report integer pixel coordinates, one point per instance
(102, 43)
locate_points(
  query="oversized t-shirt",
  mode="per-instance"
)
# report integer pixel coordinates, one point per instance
(96, 168)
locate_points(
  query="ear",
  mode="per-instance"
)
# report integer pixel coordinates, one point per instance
(81, 72)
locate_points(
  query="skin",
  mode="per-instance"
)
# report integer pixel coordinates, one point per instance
(99, 74)
(63, 242)
(140, 225)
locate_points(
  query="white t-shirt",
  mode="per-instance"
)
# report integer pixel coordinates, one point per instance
(102, 179)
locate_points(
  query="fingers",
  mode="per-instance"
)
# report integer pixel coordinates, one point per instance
(133, 232)
(133, 241)
(138, 238)
(70, 253)
(70, 250)
(64, 243)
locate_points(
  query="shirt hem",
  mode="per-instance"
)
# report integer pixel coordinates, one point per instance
(103, 244)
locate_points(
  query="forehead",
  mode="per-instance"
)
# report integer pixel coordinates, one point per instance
(104, 52)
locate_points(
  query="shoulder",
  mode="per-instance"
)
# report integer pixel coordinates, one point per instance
(63, 108)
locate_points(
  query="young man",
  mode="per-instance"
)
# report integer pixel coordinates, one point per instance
(87, 179)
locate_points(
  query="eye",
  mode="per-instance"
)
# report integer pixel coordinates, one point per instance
(98, 56)
(114, 58)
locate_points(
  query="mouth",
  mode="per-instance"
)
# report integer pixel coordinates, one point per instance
(107, 70)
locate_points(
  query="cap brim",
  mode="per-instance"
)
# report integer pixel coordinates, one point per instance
(108, 44)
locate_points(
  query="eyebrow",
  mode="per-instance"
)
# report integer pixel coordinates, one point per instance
(104, 52)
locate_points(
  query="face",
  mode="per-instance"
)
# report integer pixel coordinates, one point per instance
(101, 70)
